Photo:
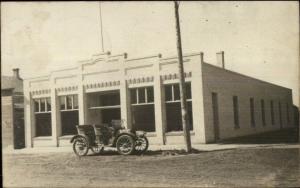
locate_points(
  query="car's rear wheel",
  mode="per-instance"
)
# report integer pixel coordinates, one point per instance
(80, 146)
(125, 144)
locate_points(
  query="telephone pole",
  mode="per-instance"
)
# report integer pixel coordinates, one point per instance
(184, 113)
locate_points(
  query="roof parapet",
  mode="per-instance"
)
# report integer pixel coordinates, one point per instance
(147, 57)
(184, 55)
(125, 55)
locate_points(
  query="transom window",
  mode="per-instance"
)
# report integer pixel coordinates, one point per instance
(172, 92)
(68, 102)
(143, 95)
(42, 105)
(104, 100)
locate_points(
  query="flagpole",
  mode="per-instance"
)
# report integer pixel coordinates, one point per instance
(100, 15)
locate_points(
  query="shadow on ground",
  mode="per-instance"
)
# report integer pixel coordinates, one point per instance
(284, 136)
(152, 153)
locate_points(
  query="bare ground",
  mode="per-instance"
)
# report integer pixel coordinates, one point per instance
(238, 167)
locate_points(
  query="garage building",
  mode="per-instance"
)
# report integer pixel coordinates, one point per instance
(144, 92)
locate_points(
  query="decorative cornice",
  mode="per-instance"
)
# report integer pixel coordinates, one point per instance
(102, 84)
(67, 89)
(41, 92)
(140, 80)
(175, 76)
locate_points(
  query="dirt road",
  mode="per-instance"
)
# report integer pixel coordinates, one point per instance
(238, 167)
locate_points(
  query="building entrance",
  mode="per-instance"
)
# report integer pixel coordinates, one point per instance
(103, 107)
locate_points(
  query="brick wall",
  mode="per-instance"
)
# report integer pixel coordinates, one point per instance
(7, 121)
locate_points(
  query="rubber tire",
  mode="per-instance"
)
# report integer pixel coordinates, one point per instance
(118, 144)
(74, 147)
(139, 152)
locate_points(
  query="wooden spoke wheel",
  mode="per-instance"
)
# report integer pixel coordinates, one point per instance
(141, 145)
(125, 144)
(80, 146)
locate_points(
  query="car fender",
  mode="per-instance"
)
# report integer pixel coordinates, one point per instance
(77, 136)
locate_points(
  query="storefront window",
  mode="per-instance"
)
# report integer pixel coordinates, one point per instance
(143, 117)
(42, 108)
(69, 114)
(173, 106)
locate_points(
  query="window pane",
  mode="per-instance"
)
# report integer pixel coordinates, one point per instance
(287, 113)
(36, 106)
(48, 104)
(190, 112)
(143, 117)
(262, 102)
(280, 115)
(133, 96)
(141, 93)
(69, 120)
(176, 92)
(75, 101)
(188, 90)
(173, 116)
(168, 92)
(43, 124)
(62, 102)
(69, 102)
(272, 113)
(252, 112)
(150, 94)
(43, 106)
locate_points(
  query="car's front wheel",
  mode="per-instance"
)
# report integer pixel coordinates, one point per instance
(125, 144)
(141, 145)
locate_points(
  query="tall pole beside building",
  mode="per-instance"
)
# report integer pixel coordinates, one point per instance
(100, 15)
(184, 113)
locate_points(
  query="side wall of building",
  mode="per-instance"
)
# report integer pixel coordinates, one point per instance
(226, 84)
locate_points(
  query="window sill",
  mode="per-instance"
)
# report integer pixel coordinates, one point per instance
(43, 138)
(65, 137)
(150, 134)
(178, 133)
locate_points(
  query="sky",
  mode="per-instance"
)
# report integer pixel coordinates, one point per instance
(260, 39)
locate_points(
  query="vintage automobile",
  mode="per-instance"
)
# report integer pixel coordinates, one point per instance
(96, 137)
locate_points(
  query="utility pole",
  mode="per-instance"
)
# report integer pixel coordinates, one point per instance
(184, 113)
(100, 15)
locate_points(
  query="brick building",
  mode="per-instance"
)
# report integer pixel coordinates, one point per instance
(145, 93)
(12, 107)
